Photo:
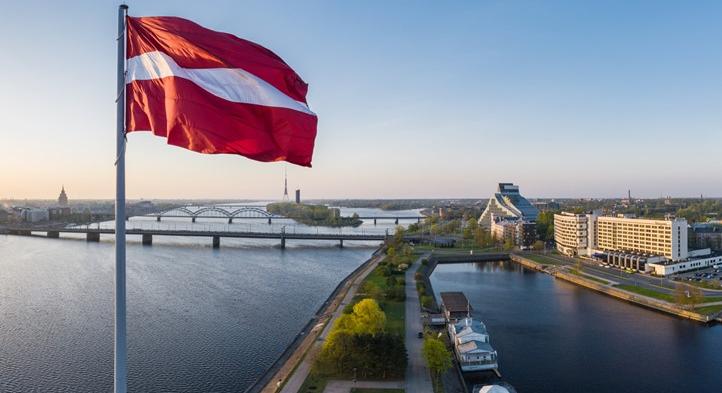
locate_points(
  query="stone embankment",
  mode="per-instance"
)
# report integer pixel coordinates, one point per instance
(612, 291)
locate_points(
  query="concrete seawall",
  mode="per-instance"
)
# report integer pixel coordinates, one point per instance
(614, 292)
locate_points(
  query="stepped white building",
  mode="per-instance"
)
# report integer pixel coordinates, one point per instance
(507, 203)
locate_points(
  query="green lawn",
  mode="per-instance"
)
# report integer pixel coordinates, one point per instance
(544, 260)
(648, 292)
(709, 309)
(314, 383)
(364, 390)
(599, 280)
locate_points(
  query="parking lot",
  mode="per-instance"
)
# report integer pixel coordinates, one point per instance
(711, 275)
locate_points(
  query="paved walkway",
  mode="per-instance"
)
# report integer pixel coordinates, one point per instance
(299, 376)
(418, 378)
(335, 386)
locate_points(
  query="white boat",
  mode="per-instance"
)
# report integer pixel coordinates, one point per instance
(471, 345)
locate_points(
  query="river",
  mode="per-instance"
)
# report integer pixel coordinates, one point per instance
(199, 319)
(553, 336)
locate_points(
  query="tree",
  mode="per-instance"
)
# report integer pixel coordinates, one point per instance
(470, 228)
(368, 317)
(680, 294)
(437, 357)
(696, 296)
(508, 244)
(538, 245)
(399, 235)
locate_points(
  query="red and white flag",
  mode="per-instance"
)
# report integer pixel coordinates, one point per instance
(213, 92)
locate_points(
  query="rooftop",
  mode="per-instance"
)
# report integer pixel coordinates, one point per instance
(455, 302)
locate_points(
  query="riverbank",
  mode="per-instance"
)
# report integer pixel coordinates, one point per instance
(283, 369)
(574, 277)
(607, 289)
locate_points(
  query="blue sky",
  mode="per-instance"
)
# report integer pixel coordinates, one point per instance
(415, 99)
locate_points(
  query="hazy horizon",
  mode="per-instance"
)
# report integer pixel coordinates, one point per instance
(415, 100)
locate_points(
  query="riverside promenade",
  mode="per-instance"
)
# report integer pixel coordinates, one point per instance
(418, 378)
(289, 374)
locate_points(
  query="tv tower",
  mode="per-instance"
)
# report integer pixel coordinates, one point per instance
(285, 185)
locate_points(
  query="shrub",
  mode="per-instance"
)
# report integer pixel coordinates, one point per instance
(426, 301)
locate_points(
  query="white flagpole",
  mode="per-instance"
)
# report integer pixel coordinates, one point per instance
(120, 371)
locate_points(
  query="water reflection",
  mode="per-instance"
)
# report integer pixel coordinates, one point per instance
(555, 337)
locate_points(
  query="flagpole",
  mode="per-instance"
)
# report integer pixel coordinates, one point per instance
(120, 371)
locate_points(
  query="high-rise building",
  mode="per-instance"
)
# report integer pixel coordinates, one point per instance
(63, 198)
(585, 234)
(298, 196)
(508, 203)
(575, 234)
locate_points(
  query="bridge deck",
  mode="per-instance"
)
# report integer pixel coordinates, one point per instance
(192, 233)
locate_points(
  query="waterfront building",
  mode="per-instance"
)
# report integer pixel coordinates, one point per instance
(667, 238)
(63, 198)
(508, 203)
(657, 246)
(298, 196)
(698, 259)
(472, 345)
(31, 214)
(58, 212)
(455, 306)
(520, 232)
(575, 234)
(707, 236)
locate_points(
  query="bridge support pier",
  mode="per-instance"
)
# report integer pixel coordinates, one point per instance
(216, 241)
(374, 221)
(340, 243)
(92, 237)
(269, 220)
(418, 220)
(193, 219)
(283, 243)
(157, 218)
(230, 220)
(53, 234)
(147, 239)
(396, 222)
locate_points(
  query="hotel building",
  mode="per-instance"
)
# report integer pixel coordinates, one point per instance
(630, 243)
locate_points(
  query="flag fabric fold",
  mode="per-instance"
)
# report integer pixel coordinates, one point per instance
(215, 93)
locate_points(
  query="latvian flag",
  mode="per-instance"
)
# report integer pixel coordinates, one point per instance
(213, 92)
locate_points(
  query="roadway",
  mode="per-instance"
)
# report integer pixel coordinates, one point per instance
(619, 276)
(418, 378)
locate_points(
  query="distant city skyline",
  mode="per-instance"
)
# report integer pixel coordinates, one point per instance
(565, 99)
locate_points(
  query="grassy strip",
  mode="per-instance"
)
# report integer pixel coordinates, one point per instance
(709, 309)
(648, 292)
(595, 279)
(543, 259)
(364, 390)
(314, 383)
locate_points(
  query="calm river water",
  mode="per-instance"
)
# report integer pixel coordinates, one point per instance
(556, 337)
(199, 319)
